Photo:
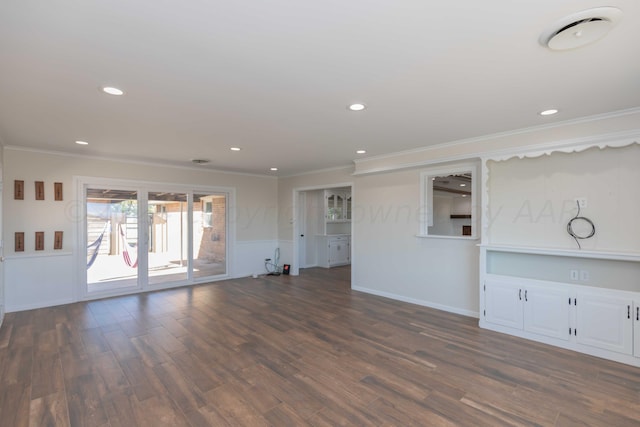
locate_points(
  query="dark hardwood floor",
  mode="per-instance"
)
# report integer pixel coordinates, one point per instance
(292, 351)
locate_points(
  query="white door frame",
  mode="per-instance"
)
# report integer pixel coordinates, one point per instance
(302, 229)
(295, 263)
(143, 187)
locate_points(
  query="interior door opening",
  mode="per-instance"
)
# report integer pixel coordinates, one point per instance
(315, 223)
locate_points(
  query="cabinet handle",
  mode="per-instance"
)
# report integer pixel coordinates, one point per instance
(628, 312)
(525, 295)
(520, 294)
(638, 313)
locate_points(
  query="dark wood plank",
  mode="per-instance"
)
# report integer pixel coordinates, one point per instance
(14, 404)
(49, 410)
(289, 350)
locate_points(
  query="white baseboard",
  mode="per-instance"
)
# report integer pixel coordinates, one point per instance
(456, 310)
(41, 304)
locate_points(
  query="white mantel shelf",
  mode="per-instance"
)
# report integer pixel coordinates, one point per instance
(616, 256)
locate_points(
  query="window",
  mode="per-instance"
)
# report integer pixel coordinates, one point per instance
(448, 202)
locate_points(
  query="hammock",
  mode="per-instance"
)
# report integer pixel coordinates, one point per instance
(94, 248)
(125, 249)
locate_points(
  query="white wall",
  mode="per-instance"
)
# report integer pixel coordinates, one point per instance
(387, 258)
(36, 279)
(2, 298)
(390, 260)
(532, 199)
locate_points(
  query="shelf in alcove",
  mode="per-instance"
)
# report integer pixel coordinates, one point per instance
(337, 221)
(608, 255)
(460, 216)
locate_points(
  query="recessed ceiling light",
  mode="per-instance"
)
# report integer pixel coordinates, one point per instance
(357, 107)
(112, 90)
(235, 148)
(273, 169)
(550, 112)
(463, 185)
(464, 195)
(361, 152)
(82, 143)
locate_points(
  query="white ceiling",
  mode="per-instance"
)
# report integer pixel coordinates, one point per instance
(275, 77)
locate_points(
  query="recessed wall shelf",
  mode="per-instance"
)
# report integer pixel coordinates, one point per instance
(19, 241)
(39, 190)
(614, 256)
(57, 240)
(18, 189)
(39, 240)
(57, 191)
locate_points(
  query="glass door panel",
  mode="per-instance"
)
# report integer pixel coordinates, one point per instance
(167, 216)
(112, 239)
(209, 224)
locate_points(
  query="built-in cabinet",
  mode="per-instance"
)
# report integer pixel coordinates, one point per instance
(604, 320)
(539, 282)
(337, 205)
(334, 246)
(601, 322)
(334, 250)
(529, 306)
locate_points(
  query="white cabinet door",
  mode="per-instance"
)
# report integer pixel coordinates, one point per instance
(546, 311)
(636, 328)
(339, 250)
(503, 304)
(335, 205)
(335, 252)
(604, 321)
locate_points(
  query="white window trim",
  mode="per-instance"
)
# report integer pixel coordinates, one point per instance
(426, 198)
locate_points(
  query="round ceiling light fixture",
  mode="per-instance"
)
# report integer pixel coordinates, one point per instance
(550, 112)
(357, 107)
(113, 90)
(82, 143)
(361, 151)
(580, 28)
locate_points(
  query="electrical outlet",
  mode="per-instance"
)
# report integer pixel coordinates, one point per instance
(582, 202)
(584, 275)
(574, 275)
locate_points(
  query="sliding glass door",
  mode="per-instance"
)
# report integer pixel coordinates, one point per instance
(209, 221)
(112, 236)
(168, 253)
(144, 238)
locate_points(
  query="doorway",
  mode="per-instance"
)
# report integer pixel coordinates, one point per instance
(310, 223)
(141, 238)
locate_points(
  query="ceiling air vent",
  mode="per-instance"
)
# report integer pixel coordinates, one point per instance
(580, 28)
(200, 161)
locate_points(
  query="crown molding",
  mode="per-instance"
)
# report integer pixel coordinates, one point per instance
(135, 162)
(483, 138)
